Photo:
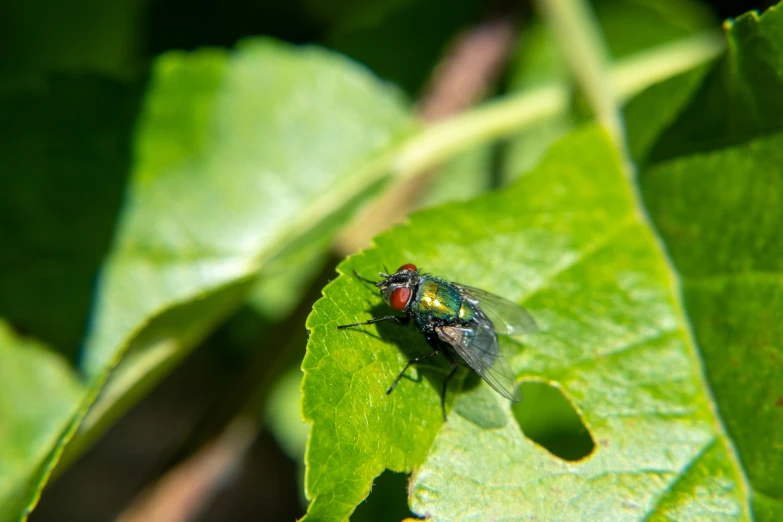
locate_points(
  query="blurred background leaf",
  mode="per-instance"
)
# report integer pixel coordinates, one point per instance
(40, 391)
(254, 115)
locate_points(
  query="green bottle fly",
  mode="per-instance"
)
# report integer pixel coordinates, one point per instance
(457, 321)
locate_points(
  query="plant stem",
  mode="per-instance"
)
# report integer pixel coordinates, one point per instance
(582, 45)
(518, 111)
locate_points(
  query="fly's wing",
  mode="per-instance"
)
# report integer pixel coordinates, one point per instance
(478, 346)
(508, 318)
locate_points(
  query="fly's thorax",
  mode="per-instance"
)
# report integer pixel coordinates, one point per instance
(437, 300)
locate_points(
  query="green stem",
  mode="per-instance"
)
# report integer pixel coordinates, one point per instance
(582, 45)
(518, 111)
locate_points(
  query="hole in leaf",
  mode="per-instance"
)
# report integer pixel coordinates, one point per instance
(550, 420)
(388, 499)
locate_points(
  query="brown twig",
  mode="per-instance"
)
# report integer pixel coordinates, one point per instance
(189, 487)
(469, 69)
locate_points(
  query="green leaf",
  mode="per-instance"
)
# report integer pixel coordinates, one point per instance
(649, 114)
(631, 26)
(243, 161)
(723, 231)
(568, 242)
(738, 100)
(719, 213)
(40, 394)
(237, 157)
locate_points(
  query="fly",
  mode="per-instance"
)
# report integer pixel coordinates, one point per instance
(457, 321)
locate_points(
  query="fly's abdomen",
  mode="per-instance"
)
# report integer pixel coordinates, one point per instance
(439, 300)
(467, 311)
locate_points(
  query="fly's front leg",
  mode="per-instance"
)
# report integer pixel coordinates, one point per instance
(395, 318)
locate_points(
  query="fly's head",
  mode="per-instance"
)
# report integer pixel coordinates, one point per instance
(397, 288)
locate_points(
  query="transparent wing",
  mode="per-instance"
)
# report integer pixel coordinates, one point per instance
(478, 346)
(508, 318)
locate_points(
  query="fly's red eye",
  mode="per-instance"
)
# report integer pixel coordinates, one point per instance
(399, 298)
(407, 266)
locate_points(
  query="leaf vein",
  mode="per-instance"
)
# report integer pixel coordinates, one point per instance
(679, 477)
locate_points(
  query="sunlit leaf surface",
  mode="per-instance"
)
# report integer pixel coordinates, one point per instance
(568, 242)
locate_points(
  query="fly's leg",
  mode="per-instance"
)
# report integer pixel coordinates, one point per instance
(410, 363)
(435, 343)
(397, 319)
(435, 351)
(454, 367)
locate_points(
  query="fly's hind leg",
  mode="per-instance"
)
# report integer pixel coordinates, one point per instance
(436, 349)
(410, 363)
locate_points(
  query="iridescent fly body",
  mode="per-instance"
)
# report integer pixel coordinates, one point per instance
(456, 320)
